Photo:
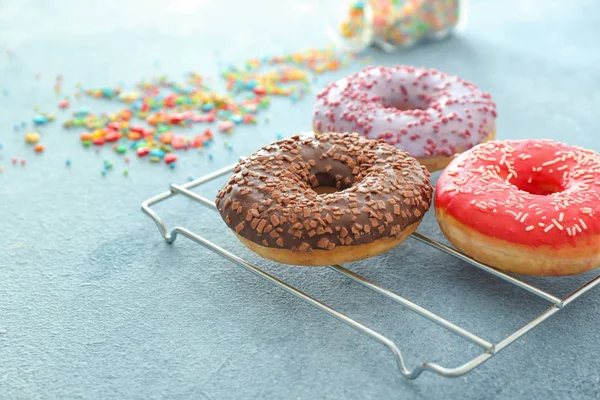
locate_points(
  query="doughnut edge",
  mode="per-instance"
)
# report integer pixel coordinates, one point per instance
(339, 255)
(518, 258)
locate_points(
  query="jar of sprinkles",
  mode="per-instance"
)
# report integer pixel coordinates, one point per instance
(392, 24)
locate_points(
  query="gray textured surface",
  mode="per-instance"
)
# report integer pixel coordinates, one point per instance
(94, 305)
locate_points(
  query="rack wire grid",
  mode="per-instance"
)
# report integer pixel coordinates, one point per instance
(488, 349)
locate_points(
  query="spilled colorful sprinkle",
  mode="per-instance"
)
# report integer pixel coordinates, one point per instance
(146, 120)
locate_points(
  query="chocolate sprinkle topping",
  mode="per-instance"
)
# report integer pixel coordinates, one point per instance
(271, 200)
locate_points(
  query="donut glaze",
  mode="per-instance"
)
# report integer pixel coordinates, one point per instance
(270, 199)
(423, 111)
(538, 195)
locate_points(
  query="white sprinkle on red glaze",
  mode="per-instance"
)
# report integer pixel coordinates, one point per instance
(423, 111)
(537, 203)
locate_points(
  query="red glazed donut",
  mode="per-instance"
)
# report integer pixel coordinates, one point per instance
(428, 113)
(528, 207)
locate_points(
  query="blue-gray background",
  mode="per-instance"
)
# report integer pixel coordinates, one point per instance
(93, 304)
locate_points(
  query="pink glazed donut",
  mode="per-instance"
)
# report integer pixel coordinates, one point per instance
(430, 114)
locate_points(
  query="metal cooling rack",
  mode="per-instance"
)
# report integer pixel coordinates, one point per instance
(489, 349)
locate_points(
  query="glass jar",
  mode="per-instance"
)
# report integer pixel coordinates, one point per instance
(392, 24)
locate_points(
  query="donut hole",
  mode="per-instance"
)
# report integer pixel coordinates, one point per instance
(538, 184)
(325, 189)
(328, 184)
(406, 107)
(406, 103)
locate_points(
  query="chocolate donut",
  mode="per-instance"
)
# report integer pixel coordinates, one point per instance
(325, 200)
(428, 113)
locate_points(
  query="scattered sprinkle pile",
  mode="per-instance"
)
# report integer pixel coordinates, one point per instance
(148, 117)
